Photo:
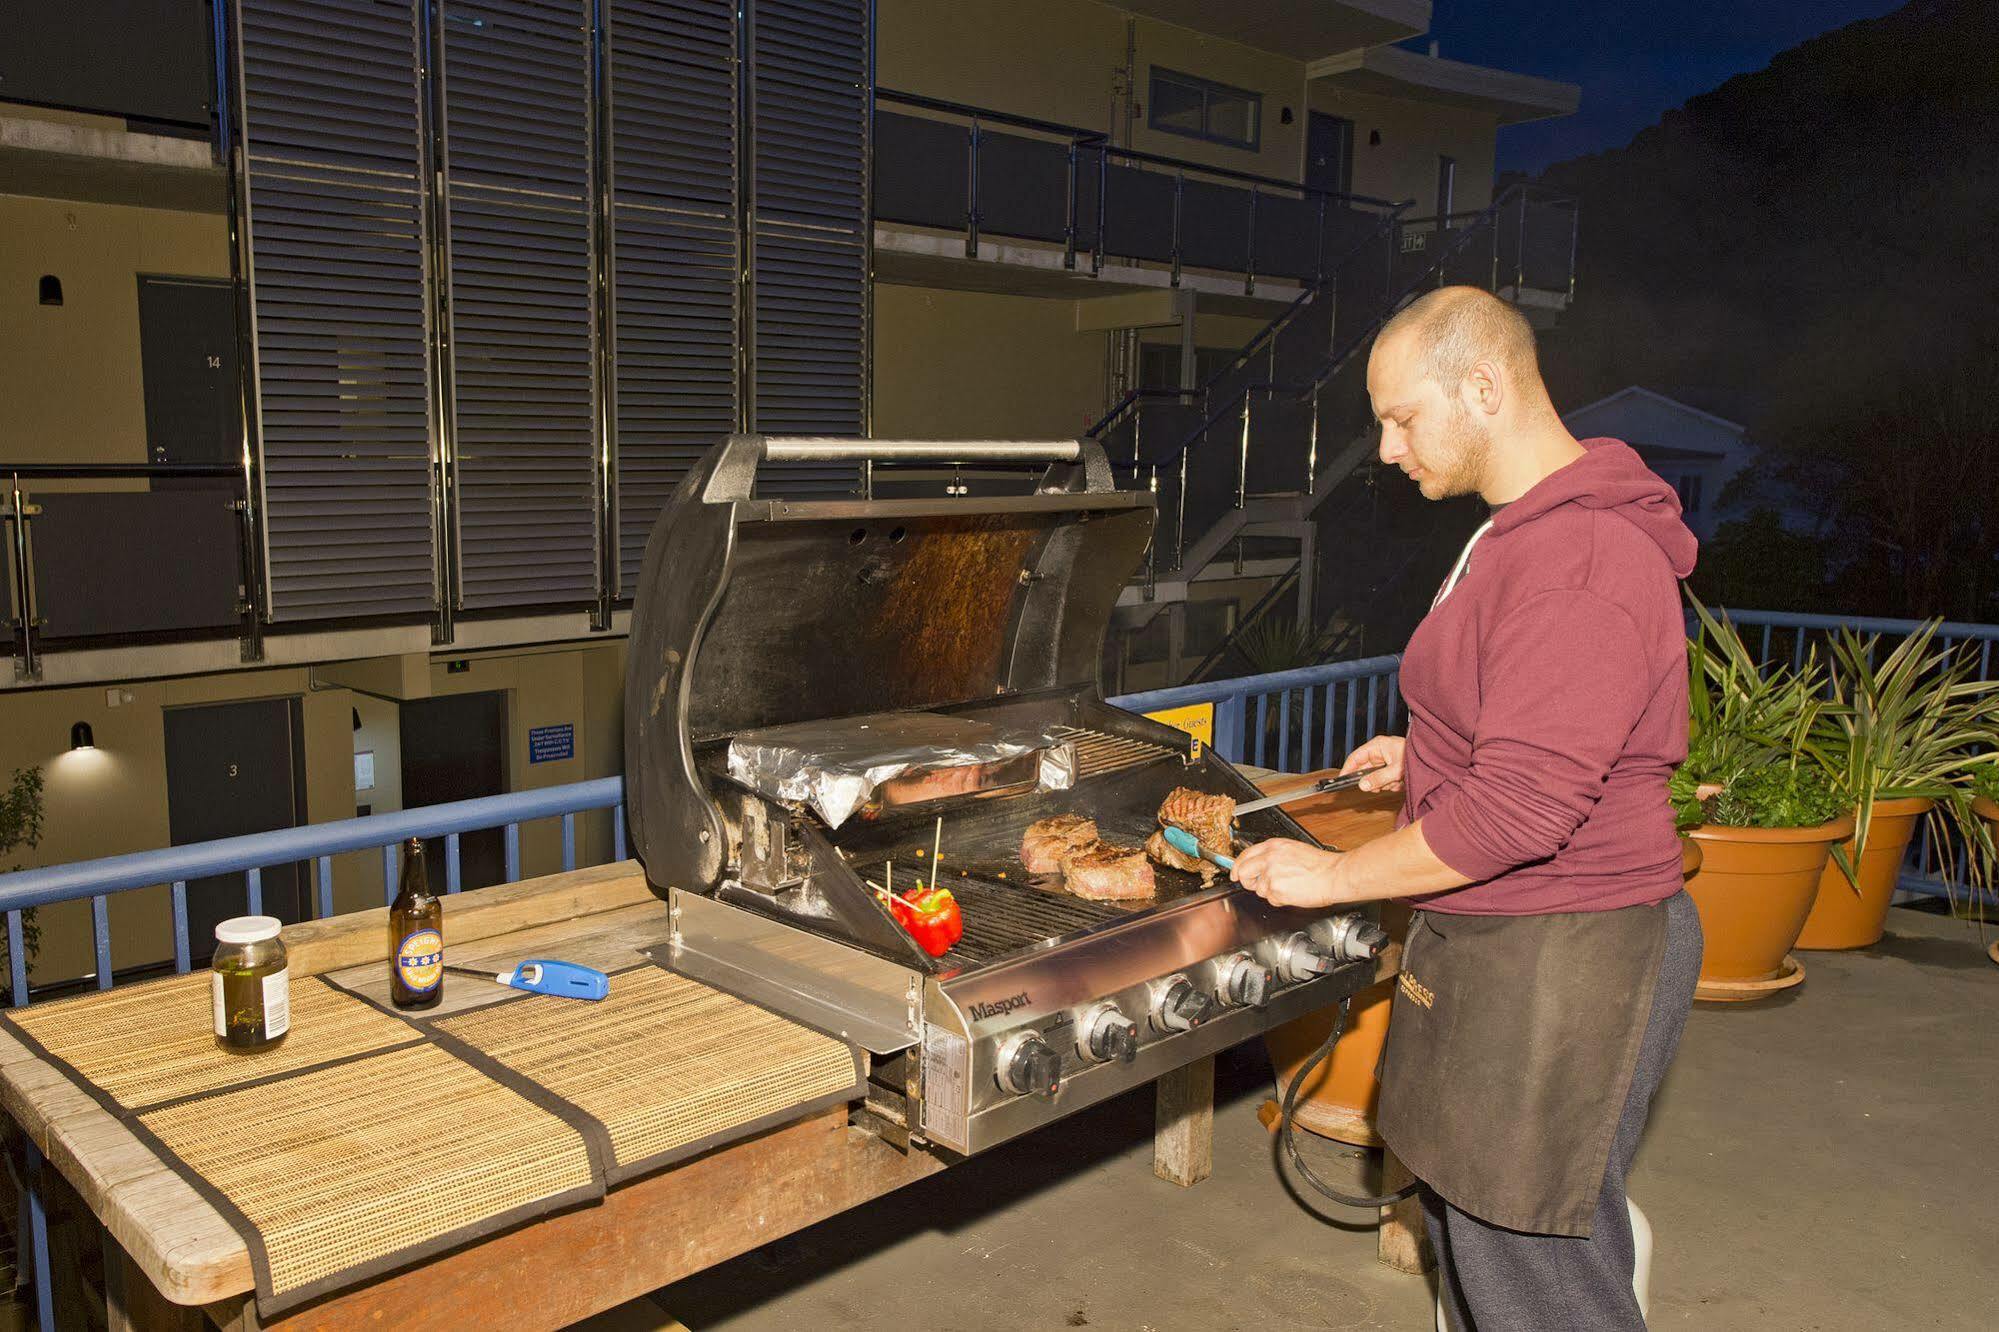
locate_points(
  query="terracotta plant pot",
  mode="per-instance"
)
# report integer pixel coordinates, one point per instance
(1754, 889)
(1842, 917)
(1690, 858)
(1340, 1100)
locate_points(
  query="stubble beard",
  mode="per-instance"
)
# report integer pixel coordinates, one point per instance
(1466, 449)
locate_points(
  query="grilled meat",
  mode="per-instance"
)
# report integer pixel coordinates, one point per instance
(1160, 850)
(1049, 840)
(1106, 872)
(1208, 817)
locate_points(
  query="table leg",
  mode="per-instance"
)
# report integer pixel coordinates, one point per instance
(132, 1303)
(1183, 1142)
(1404, 1241)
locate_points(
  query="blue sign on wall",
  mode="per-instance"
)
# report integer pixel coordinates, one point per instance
(548, 743)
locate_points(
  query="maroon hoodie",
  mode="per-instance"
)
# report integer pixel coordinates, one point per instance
(1547, 697)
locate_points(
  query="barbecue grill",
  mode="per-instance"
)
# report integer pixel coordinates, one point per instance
(759, 613)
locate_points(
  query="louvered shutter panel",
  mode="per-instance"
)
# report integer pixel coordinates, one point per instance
(335, 221)
(809, 72)
(517, 151)
(674, 248)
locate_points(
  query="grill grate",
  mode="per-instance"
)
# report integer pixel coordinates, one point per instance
(1099, 752)
(1002, 919)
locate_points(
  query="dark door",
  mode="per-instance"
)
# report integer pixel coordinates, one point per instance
(187, 355)
(236, 768)
(455, 748)
(1329, 153)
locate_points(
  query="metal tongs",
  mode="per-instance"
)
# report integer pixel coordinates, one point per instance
(1320, 787)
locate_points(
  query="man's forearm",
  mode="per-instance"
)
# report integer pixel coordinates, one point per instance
(1398, 865)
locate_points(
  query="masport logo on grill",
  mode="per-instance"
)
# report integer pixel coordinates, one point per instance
(999, 1007)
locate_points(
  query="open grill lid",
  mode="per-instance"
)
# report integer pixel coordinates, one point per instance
(757, 612)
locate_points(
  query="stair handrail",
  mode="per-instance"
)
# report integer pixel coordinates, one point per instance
(1258, 340)
(1339, 358)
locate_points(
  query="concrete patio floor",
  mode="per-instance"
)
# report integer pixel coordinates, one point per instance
(1816, 1161)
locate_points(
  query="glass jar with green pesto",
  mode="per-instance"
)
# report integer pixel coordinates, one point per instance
(253, 1008)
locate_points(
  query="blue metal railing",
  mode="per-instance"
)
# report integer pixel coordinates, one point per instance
(1314, 707)
(1791, 634)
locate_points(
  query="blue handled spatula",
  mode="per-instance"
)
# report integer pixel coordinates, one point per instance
(1189, 845)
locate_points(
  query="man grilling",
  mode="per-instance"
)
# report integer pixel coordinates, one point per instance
(1551, 964)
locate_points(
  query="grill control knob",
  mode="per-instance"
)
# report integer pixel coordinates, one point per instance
(1242, 981)
(1180, 1007)
(1105, 1033)
(1298, 960)
(1028, 1067)
(1348, 938)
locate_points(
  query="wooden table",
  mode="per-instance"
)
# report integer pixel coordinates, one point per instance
(172, 1262)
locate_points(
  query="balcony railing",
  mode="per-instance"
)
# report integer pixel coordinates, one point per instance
(983, 172)
(90, 566)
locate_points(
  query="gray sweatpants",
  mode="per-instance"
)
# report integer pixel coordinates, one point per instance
(1499, 1280)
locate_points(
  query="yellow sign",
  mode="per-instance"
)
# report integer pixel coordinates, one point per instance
(1197, 720)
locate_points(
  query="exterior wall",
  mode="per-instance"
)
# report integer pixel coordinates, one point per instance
(70, 373)
(1058, 59)
(969, 365)
(114, 799)
(1413, 134)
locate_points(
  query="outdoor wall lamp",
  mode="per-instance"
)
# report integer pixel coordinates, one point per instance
(80, 737)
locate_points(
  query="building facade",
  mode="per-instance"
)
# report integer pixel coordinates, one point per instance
(349, 358)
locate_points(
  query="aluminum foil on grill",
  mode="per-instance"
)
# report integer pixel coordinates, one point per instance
(836, 766)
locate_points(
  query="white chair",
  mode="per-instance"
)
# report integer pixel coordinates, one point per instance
(1641, 1267)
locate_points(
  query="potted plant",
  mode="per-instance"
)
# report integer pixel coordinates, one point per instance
(1756, 797)
(1897, 739)
(21, 825)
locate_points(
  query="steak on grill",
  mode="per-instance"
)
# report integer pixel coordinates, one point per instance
(1048, 840)
(1162, 851)
(1208, 817)
(1106, 872)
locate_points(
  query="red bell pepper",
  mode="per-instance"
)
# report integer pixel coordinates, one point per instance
(932, 918)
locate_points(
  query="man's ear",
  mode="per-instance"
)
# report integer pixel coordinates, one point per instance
(1484, 389)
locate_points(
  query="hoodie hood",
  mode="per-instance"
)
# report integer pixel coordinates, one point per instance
(1611, 475)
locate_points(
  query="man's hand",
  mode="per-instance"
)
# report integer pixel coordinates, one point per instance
(1384, 750)
(1290, 874)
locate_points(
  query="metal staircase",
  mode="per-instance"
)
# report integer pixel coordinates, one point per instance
(1244, 466)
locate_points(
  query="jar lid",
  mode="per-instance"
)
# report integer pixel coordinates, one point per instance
(248, 929)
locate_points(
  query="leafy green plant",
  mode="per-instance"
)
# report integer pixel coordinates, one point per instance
(1778, 796)
(21, 825)
(1915, 725)
(1752, 757)
(1985, 781)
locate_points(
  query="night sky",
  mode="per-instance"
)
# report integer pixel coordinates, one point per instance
(1634, 59)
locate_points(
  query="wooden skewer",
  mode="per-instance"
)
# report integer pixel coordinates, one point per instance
(937, 851)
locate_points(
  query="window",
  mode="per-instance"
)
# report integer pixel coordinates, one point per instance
(1690, 493)
(1159, 364)
(1447, 185)
(1183, 104)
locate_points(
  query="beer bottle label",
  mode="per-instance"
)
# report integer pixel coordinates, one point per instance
(420, 960)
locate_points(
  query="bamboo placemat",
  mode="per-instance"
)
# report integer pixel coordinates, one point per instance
(141, 1045)
(668, 1066)
(341, 1173)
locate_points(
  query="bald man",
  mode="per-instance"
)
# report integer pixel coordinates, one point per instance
(1552, 959)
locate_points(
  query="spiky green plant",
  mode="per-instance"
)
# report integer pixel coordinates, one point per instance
(21, 825)
(1278, 643)
(1743, 719)
(1915, 725)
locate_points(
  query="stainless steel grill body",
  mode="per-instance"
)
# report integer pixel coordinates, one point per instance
(754, 613)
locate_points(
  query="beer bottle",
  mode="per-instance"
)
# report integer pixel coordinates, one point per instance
(416, 936)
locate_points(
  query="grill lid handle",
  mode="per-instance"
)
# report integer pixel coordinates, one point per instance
(1075, 465)
(809, 448)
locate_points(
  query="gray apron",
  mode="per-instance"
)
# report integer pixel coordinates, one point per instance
(1511, 1048)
